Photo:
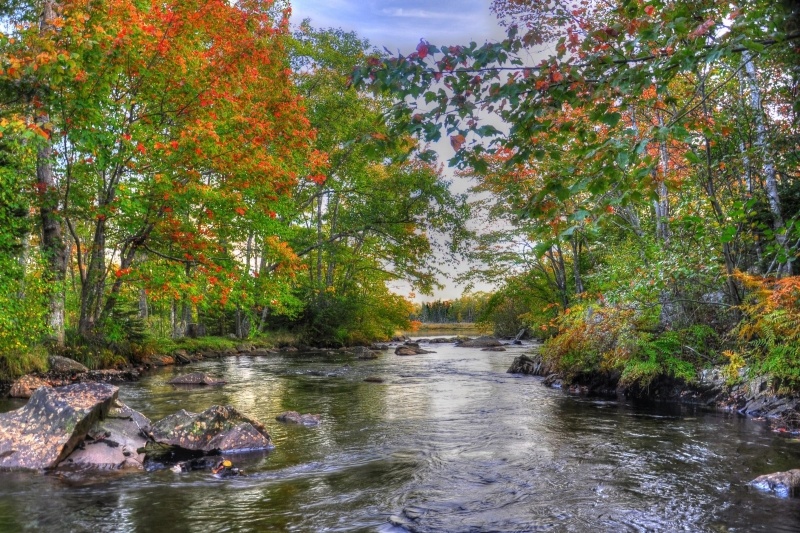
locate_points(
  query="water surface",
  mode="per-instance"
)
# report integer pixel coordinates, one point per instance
(449, 442)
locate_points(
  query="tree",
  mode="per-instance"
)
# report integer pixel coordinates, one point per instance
(606, 56)
(176, 125)
(371, 217)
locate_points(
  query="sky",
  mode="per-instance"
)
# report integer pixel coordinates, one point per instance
(399, 25)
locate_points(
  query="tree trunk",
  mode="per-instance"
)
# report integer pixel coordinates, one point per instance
(576, 263)
(662, 204)
(53, 246)
(767, 163)
(94, 285)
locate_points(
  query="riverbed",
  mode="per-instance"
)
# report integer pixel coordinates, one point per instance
(449, 442)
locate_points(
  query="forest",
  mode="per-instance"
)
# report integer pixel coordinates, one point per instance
(207, 168)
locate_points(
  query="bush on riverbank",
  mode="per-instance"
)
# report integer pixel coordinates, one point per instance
(768, 337)
(594, 339)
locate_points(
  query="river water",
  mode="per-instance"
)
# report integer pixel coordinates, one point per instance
(448, 443)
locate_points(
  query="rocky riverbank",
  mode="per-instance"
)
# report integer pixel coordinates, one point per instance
(754, 398)
(85, 426)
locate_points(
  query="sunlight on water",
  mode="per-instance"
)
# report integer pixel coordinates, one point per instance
(448, 442)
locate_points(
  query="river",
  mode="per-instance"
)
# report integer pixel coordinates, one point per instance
(448, 443)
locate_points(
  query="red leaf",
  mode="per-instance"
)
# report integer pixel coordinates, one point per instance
(457, 142)
(649, 10)
(422, 49)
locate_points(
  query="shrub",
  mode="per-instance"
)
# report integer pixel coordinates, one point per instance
(769, 333)
(23, 319)
(595, 339)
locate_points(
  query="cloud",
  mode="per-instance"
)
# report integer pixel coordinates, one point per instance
(422, 14)
(399, 25)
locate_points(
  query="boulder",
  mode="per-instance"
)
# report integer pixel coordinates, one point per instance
(362, 352)
(245, 347)
(196, 378)
(534, 366)
(63, 365)
(44, 432)
(26, 385)
(113, 442)
(379, 347)
(217, 429)
(293, 417)
(481, 342)
(785, 484)
(182, 357)
(162, 360)
(410, 348)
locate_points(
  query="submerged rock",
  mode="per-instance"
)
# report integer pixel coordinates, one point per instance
(494, 349)
(784, 484)
(217, 429)
(63, 365)
(374, 379)
(113, 443)
(196, 378)
(42, 433)
(293, 417)
(25, 386)
(481, 342)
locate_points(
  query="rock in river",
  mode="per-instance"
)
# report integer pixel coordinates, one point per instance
(196, 378)
(293, 417)
(217, 429)
(54, 421)
(534, 366)
(481, 342)
(362, 352)
(113, 443)
(411, 348)
(783, 484)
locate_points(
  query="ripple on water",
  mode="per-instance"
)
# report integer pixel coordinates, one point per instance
(449, 442)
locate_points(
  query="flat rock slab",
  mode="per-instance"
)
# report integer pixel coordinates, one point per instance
(196, 378)
(26, 385)
(113, 443)
(217, 429)
(785, 484)
(293, 417)
(42, 433)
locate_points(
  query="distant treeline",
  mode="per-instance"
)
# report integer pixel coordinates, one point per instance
(467, 308)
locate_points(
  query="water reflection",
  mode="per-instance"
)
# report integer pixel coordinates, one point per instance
(449, 442)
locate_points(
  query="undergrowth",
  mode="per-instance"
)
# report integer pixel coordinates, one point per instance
(618, 341)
